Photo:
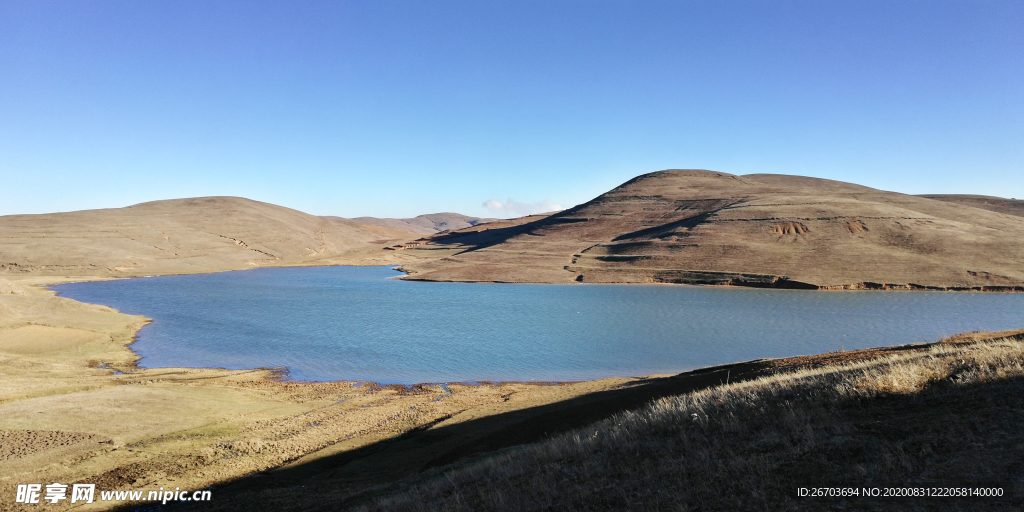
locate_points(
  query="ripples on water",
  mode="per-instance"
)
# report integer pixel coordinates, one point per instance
(354, 323)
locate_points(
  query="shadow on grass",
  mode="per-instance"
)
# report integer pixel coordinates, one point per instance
(353, 477)
(953, 436)
(475, 240)
(945, 439)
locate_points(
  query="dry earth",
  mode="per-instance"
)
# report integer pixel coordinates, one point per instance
(704, 227)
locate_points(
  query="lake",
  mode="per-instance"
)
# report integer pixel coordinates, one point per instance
(355, 323)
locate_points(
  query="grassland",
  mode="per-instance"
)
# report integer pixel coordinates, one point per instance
(942, 415)
(74, 406)
(184, 236)
(743, 436)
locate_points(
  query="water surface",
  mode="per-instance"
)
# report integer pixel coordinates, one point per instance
(354, 323)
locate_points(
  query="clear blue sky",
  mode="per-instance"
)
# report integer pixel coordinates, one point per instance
(396, 108)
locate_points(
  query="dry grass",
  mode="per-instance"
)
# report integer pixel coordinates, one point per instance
(949, 415)
(706, 227)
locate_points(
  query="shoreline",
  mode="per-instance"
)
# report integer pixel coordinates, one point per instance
(785, 285)
(67, 368)
(203, 427)
(357, 478)
(284, 374)
(714, 279)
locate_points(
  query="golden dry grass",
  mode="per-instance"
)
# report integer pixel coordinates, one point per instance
(183, 236)
(948, 415)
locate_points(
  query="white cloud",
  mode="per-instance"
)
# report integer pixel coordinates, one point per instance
(513, 208)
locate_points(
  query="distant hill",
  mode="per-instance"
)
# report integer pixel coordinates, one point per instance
(204, 234)
(422, 225)
(995, 204)
(676, 226)
(695, 226)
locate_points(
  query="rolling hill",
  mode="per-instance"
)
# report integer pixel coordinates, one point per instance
(428, 224)
(180, 236)
(995, 204)
(705, 227)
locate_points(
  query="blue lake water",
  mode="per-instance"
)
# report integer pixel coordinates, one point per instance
(354, 323)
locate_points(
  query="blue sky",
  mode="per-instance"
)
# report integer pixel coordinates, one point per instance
(396, 108)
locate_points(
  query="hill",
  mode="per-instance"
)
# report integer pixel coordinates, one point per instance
(428, 224)
(204, 234)
(704, 227)
(995, 204)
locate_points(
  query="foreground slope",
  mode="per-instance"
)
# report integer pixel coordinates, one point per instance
(741, 436)
(944, 417)
(692, 226)
(203, 234)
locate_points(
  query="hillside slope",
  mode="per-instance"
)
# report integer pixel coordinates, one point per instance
(941, 415)
(995, 204)
(203, 234)
(694, 226)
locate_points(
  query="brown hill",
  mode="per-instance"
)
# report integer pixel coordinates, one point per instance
(421, 224)
(694, 226)
(995, 204)
(176, 236)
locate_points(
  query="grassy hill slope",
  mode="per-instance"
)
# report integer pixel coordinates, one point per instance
(995, 204)
(704, 227)
(935, 417)
(203, 234)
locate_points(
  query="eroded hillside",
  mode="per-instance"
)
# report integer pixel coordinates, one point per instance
(693, 226)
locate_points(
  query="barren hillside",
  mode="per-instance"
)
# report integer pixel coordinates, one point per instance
(694, 226)
(995, 204)
(178, 236)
